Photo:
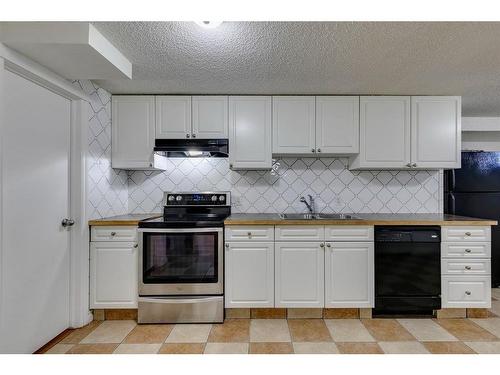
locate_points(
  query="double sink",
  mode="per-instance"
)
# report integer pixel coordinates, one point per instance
(318, 217)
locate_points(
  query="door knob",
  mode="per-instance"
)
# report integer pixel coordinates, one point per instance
(67, 223)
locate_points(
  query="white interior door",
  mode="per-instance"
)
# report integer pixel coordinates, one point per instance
(34, 305)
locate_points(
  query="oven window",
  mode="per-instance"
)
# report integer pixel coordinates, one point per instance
(180, 257)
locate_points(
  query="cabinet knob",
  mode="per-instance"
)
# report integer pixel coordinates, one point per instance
(467, 267)
(468, 292)
(193, 136)
(408, 165)
(249, 234)
(113, 233)
(136, 246)
(227, 245)
(151, 165)
(313, 150)
(230, 166)
(467, 250)
(414, 165)
(321, 245)
(319, 150)
(328, 245)
(468, 234)
(188, 136)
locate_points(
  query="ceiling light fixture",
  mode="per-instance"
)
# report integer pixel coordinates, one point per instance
(208, 24)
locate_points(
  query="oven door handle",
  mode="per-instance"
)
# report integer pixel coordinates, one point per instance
(178, 299)
(179, 230)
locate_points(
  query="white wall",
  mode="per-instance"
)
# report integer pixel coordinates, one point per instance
(335, 187)
(107, 188)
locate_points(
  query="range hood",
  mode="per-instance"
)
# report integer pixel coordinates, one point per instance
(182, 148)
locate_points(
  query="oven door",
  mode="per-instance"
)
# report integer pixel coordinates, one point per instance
(180, 261)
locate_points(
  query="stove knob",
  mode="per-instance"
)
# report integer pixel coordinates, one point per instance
(222, 198)
(178, 198)
(170, 198)
(214, 198)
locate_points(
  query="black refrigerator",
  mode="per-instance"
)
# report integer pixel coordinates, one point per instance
(474, 190)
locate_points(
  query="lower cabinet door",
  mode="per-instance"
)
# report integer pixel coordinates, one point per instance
(349, 274)
(249, 274)
(299, 274)
(465, 291)
(113, 275)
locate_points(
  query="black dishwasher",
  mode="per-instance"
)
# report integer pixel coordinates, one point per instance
(407, 270)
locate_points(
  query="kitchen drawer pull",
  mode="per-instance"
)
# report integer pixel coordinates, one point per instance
(328, 245)
(468, 267)
(113, 233)
(321, 245)
(468, 250)
(313, 150)
(468, 292)
(249, 234)
(136, 246)
(468, 234)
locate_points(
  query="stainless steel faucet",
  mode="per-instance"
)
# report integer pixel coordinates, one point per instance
(310, 205)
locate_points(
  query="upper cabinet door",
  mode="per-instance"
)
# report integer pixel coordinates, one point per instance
(133, 131)
(250, 132)
(173, 117)
(436, 131)
(337, 124)
(210, 117)
(384, 126)
(293, 125)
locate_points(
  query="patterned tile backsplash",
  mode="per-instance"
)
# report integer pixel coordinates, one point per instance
(335, 188)
(108, 187)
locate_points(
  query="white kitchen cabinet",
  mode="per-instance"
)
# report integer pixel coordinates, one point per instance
(337, 124)
(299, 274)
(294, 125)
(210, 117)
(173, 117)
(349, 274)
(384, 126)
(133, 133)
(249, 274)
(436, 131)
(466, 291)
(113, 275)
(250, 132)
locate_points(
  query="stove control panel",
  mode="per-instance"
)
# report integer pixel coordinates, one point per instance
(197, 199)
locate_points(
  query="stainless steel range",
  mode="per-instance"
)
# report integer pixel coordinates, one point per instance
(181, 260)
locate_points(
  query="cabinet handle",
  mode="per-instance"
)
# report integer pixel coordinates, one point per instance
(230, 166)
(408, 165)
(188, 136)
(467, 250)
(467, 267)
(468, 292)
(193, 136)
(249, 234)
(136, 246)
(227, 245)
(113, 233)
(328, 245)
(319, 150)
(321, 245)
(468, 234)
(414, 165)
(313, 150)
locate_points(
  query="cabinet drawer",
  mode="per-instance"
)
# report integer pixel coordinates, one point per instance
(348, 233)
(465, 250)
(465, 266)
(465, 233)
(466, 291)
(98, 233)
(300, 233)
(249, 233)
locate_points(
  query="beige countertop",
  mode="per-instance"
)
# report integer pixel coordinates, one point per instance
(364, 219)
(130, 219)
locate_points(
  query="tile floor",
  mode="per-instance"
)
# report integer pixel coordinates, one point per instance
(282, 336)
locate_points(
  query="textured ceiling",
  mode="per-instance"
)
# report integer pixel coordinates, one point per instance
(313, 58)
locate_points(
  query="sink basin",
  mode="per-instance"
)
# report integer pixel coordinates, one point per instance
(298, 216)
(318, 217)
(336, 217)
